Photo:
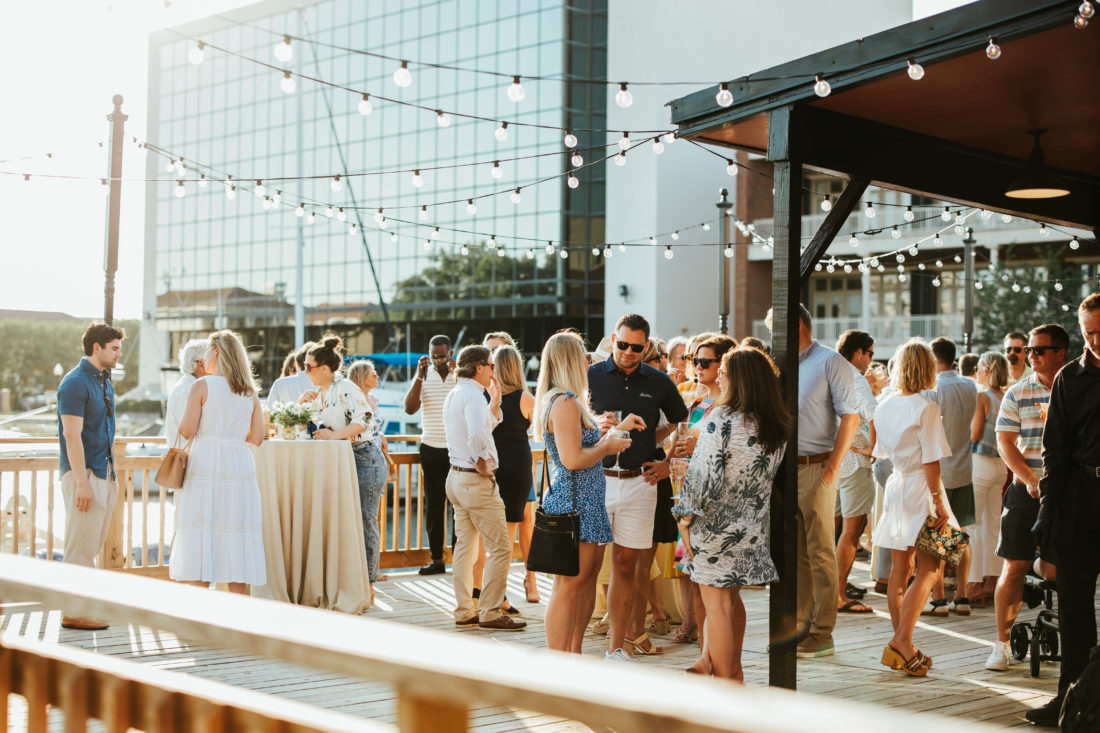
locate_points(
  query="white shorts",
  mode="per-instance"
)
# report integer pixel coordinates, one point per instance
(631, 503)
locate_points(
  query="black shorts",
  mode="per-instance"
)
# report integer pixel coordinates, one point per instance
(1018, 514)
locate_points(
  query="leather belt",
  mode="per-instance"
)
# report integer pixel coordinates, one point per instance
(1090, 471)
(808, 460)
(622, 472)
(463, 469)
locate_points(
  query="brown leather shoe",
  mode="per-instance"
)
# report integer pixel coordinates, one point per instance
(503, 623)
(85, 623)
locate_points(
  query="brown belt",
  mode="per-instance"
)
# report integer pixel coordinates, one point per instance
(819, 458)
(622, 472)
(463, 469)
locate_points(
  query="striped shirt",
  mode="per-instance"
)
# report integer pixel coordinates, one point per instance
(1020, 413)
(433, 392)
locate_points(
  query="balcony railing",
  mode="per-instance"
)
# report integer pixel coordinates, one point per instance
(886, 330)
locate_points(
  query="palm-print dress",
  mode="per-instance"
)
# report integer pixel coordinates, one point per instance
(728, 489)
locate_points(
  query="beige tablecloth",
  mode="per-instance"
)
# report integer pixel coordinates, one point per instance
(313, 528)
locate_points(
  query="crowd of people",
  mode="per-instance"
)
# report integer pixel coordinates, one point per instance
(671, 444)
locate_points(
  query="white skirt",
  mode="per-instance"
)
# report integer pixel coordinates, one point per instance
(906, 506)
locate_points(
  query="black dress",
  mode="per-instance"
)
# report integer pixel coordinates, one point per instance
(513, 457)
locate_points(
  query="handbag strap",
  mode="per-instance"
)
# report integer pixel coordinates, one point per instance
(546, 486)
(177, 442)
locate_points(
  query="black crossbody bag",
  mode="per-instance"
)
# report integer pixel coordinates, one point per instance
(555, 543)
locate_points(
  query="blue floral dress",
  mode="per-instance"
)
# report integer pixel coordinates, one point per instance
(728, 490)
(588, 483)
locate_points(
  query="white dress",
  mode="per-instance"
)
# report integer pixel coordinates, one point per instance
(909, 434)
(219, 521)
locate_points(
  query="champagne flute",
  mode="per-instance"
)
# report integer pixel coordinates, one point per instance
(622, 434)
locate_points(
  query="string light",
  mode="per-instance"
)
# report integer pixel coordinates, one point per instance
(577, 160)
(706, 226)
(287, 83)
(1080, 21)
(1043, 231)
(913, 251)
(492, 243)
(1058, 285)
(916, 71)
(259, 189)
(731, 167)
(336, 184)
(283, 51)
(340, 215)
(500, 252)
(516, 92)
(423, 213)
(869, 212)
(379, 216)
(427, 244)
(622, 247)
(993, 51)
(277, 199)
(572, 181)
(986, 214)
(442, 118)
(853, 241)
(624, 142)
(669, 138)
(230, 191)
(668, 252)
(496, 171)
(595, 251)
(822, 88)
(418, 180)
(435, 233)
(624, 98)
(501, 133)
(365, 107)
(895, 232)
(530, 253)
(515, 196)
(563, 253)
(196, 54)
(728, 251)
(607, 251)
(202, 181)
(674, 236)
(570, 140)
(471, 207)
(300, 211)
(827, 204)
(658, 146)
(267, 204)
(909, 215)
(465, 250)
(1086, 10)
(620, 160)
(946, 215)
(724, 97)
(311, 218)
(1074, 243)
(549, 248)
(402, 77)
(180, 190)
(937, 241)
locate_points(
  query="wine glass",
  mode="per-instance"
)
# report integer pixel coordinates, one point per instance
(621, 434)
(678, 473)
(317, 418)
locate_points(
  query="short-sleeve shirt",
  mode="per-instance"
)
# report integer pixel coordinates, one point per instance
(433, 392)
(86, 392)
(343, 404)
(866, 404)
(826, 392)
(957, 398)
(1020, 413)
(645, 392)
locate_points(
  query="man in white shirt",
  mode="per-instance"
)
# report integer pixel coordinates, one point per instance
(470, 412)
(192, 370)
(290, 389)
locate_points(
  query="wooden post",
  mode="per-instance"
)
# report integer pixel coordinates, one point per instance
(417, 714)
(114, 207)
(787, 230)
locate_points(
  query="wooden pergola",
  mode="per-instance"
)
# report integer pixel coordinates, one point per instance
(959, 134)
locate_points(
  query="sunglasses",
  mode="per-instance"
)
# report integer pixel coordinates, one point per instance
(1038, 350)
(703, 363)
(487, 363)
(1014, 349)
(636, 348)
(311, 367)
(107, 400)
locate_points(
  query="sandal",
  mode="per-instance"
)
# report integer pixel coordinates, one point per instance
(686, 637)
(914, 667)
(601, 627)
(531, 590)
(856, 592)
(661, 626)
(634, 647)
(854, 606)
(926, 661)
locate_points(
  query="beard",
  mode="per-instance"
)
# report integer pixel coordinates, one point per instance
(1013, 359)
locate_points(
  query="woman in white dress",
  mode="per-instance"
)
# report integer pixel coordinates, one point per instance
(219, 524)
(911, 436)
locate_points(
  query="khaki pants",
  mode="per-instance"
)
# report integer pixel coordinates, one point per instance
(817, 571)
(85, 532)
(478, 510)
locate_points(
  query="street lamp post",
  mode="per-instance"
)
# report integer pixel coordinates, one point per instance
(968, 317)
(724, 207)
(114, 204)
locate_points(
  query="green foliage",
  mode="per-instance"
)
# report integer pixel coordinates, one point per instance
(32, 348)
(291, 414)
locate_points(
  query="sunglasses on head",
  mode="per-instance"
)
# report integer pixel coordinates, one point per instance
(1014, 349)
(702, 362)
(623, 346)
(1037, 350)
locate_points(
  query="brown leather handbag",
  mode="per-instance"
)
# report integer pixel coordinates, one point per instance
(173, 466)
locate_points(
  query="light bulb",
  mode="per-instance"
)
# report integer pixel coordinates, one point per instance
(624, 142)
(728, 251)
(658, 146)
(847, 268)
(653, 241)
(287, 83)
(497, 172)
(946, 215)
(731, 167)
(607, 251)
(916, 71)
(899, 257)
(383, 223)
(622, 247)
(993, 51)
(826, 204)
(427, 244)
(1058, 285)
(959, 218)
(959, 229)
(577, 160)
(986, 214)
(336, 184)
(492, 243)
(530, 253)
(822, 88)
(570, 140)
(549, 248)
(669, 138)
(202, 181)
(329, 211)
(180, 190)
(501, 133)
(909, 215)
(423, 213)
(171, 166)
(869, 212)
(231, 192)
(300, 211)
(311, 218)
(515, 92)
(668, 252)
(623, 98)
(351, 229)
(1043, 231)
(818, 267)
(895, 233)
(379, 216)
(283, 51)
(442, 118)
(595, 251)
(259, 189)
(418, 180)
(471, 207)
(435, 233)
(402, 77)
(572, 181)
(340, 215)
(902, 277)
(939, 264)
(196, 54)
(1080, 21)
(674, 236)
(563, 253)
(500, 252)
(465, 250)
(1015, 287)
(1074, 244)
(706, 226)
(620, 160)
(266, 203)
(937, 242)
(913, 251)
(853, 241)
(1006, 218)
(724, 97)
(277, 199)
(1085, 10)
(365, 107)
(515, 196)
(830, 268)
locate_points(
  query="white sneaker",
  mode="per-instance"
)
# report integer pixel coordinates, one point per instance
(617, 656)
(999, 658)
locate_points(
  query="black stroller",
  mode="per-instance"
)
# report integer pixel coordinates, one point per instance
(1041, 637)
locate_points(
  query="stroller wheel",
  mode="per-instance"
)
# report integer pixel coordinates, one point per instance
(1019, 641)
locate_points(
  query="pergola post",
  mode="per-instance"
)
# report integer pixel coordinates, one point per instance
(786, 278)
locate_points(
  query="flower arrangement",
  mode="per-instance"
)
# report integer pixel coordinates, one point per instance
(290, 415)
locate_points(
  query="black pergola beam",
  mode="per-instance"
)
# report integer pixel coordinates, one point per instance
(901, 159)
(829, 228)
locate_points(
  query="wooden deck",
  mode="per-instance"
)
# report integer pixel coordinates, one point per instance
(957, 686)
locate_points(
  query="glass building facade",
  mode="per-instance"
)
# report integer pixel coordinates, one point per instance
(231, 262)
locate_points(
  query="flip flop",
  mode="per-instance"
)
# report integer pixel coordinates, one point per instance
(853, 591)
(854, 606)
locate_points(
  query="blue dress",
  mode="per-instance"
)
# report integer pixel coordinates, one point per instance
(589, 485)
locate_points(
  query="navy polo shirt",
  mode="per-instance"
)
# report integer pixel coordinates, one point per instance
(85, 392)
(646, 392)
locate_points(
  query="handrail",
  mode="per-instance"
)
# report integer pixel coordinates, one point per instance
(439, 676)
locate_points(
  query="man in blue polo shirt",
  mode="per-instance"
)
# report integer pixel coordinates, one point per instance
(86, 432)
(624, 384)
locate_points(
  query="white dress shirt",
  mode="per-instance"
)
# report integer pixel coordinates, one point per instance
(289, 389)
(177, 404)
(470, 424)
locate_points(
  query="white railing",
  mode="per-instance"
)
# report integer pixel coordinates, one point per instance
(888, 331)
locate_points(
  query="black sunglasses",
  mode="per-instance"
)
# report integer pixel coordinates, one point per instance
(703, 362)
(1038, 350)
(107, 400)
(1014, 349)
(636, 348)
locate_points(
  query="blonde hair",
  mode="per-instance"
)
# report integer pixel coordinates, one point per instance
(562, 370)
(500, 335)
(508, 368)
(233, 363)
(997, 365)
(915, 369)
(358, 371)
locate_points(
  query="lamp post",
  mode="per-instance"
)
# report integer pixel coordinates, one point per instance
(110, 255)
(968, 317)
(724, 207)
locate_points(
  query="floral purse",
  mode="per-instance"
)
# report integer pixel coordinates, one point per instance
(947, 545)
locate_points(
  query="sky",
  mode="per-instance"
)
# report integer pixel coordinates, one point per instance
(59, 81)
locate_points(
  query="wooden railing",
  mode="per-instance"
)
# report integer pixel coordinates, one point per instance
(437, 677)
(142, 525)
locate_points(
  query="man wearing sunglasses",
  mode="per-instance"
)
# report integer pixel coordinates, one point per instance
(622, 383)
(85, 433)
(1020, 423)
(1015, 343)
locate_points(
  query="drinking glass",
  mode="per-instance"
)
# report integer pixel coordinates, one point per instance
(679, 471)
(622, 435)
